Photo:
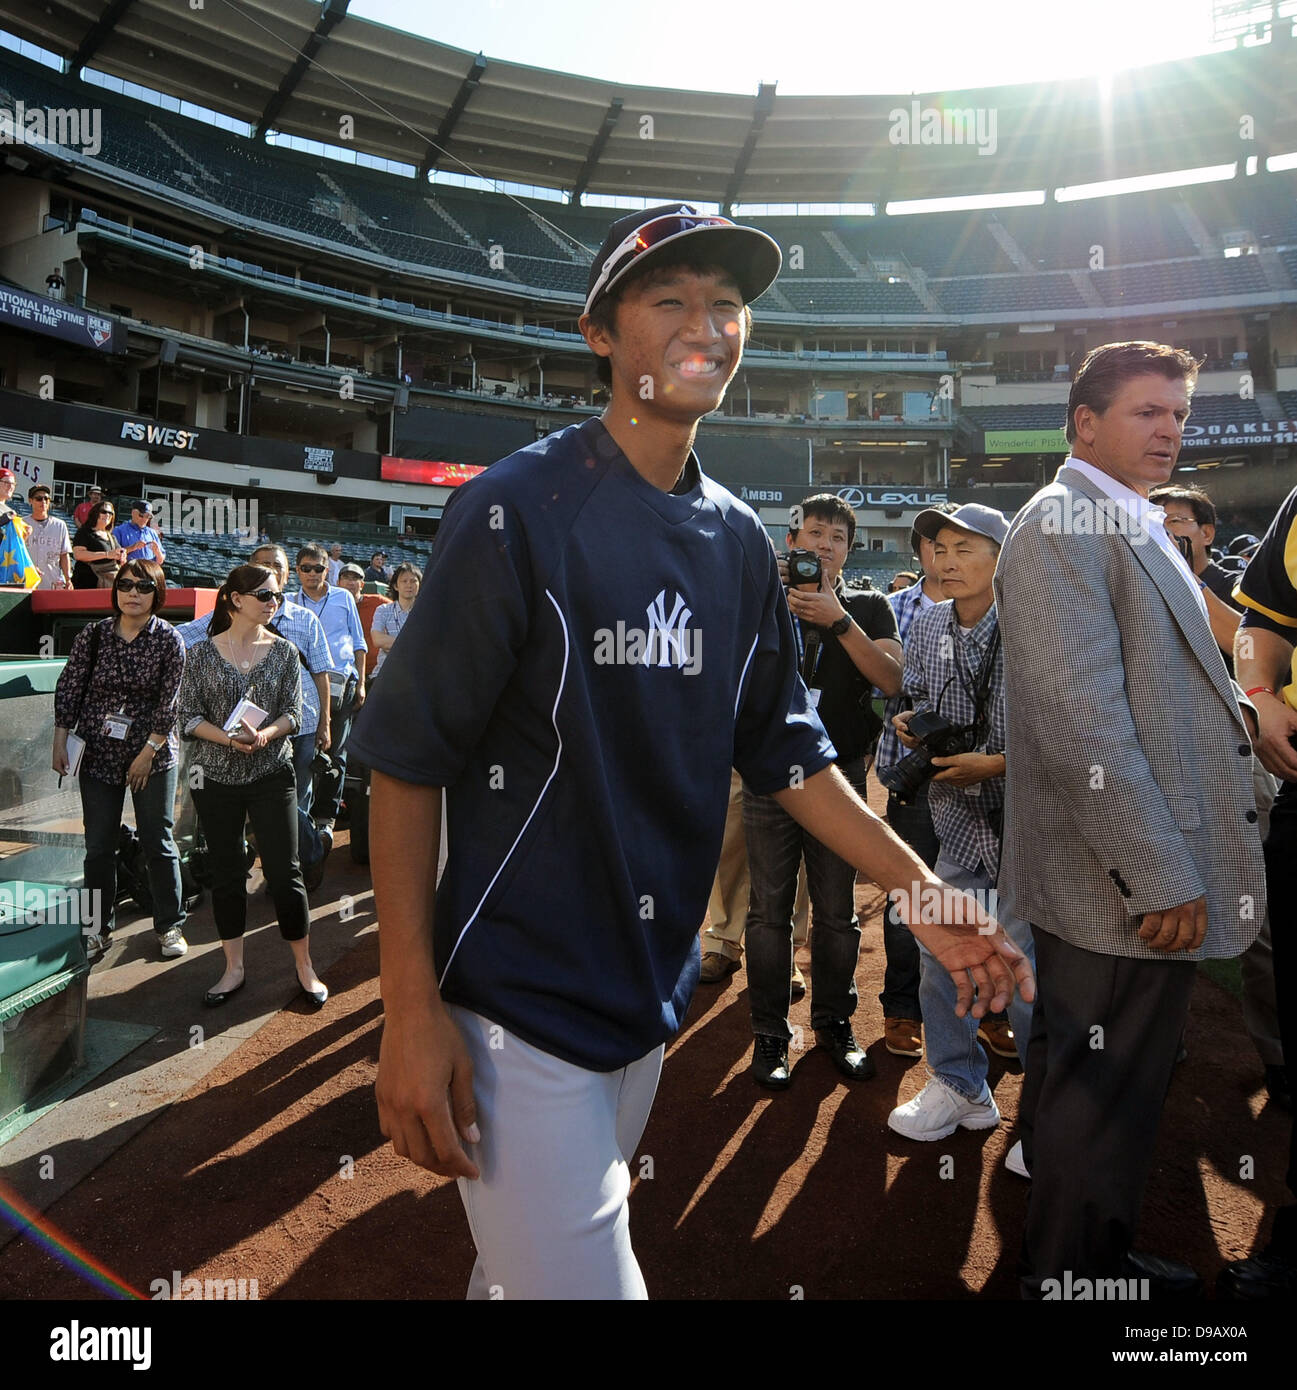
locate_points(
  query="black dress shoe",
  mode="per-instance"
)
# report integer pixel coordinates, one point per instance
(1168, 1280)
(1263, 1276)
(770, 1062)
(848, 1056)
(213, 1000)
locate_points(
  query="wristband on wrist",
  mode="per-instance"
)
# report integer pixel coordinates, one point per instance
(1259, 690)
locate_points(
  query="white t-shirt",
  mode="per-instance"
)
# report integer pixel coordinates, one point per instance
(48, 540)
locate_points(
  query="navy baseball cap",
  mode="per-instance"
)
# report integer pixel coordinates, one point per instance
(972, 516)
(752, 257)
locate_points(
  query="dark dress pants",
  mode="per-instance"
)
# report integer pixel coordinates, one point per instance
(1104, 1036)
(1281, 883)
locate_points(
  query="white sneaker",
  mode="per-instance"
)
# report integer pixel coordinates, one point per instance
(938, 1111)
(173, 944)
(1015, 1162)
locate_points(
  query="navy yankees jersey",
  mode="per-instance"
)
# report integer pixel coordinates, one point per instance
(587, 657)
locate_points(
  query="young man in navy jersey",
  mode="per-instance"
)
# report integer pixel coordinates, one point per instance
(601, 634)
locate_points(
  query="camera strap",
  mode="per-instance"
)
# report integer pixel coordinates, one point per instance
(977, 690)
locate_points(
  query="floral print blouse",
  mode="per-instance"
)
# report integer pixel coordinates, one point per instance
(140, 678)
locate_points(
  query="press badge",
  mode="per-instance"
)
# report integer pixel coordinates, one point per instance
(118, 725)
(813, 695)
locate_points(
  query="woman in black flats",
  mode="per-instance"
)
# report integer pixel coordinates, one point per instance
(244, 770)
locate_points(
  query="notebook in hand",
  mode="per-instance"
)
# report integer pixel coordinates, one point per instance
(245, 716)
(76, 750)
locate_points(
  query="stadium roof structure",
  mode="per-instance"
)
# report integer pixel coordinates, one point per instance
(300, 67)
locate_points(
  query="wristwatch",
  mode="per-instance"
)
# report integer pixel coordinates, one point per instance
(842, 624)
(157, 747)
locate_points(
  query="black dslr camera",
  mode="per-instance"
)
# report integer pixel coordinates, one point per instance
(804, 568)
(938, 738)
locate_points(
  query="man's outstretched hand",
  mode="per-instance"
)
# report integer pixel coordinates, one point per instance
(979, 957)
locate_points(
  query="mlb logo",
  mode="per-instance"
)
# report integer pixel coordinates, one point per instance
(100, 330)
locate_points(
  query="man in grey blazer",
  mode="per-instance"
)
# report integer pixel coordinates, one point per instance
(1130, 839)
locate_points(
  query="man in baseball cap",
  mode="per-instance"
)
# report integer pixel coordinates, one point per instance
(954, 668)
(597, 595)
(657, 245)
(972, 516)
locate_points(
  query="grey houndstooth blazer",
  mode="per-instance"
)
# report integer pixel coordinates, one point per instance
(1129, 769)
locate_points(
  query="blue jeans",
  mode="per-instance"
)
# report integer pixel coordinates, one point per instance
(310, 847)
(101, 809)
(900, 996)
(953, 1054)
(776, 845)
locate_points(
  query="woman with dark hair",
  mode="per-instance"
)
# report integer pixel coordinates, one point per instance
(119, 692)
(245, 767)
(390, 618)
(95, 550)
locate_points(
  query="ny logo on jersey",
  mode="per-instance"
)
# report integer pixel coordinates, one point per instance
(667, 641)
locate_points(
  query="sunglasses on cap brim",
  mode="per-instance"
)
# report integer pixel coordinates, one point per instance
(645, 238)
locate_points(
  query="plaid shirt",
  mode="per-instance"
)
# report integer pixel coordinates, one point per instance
(906, 606)
(304, 630)
(940, 675)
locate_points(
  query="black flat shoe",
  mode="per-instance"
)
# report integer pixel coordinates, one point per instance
(213, 1000)
(318, 997)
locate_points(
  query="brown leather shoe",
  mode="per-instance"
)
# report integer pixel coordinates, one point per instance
(996, 1034)
(903, 1037)
(716, 966)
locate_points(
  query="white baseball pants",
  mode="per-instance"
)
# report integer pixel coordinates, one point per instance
(550, 1215)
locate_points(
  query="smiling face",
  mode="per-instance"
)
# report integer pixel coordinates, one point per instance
(1137, 439)
(675, 343)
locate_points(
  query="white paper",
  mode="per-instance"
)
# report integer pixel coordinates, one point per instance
(245, 714)
(76, 749)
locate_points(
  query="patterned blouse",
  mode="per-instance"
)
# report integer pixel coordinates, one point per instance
(390, 618)
(141, 676)
(211, 689)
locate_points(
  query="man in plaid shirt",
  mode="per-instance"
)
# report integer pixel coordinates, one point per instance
(912, 821)
(946, 658)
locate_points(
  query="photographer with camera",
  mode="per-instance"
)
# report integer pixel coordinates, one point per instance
(954, 674)
(846, 644)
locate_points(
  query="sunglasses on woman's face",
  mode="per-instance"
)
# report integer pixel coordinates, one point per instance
(267, 596)
(311, 569)
(135, 586)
